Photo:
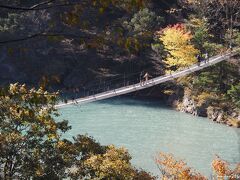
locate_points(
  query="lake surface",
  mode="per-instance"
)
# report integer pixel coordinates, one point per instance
(146, 127)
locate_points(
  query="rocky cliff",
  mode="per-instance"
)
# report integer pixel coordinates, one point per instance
(187, 104)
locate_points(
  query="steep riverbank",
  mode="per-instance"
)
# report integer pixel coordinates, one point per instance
(182, 100)
(212, 93)
(224, 115)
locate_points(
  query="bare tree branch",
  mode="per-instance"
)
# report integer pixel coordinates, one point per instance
(42, 3)
(50, 34)
(36, 7)
(20, 39)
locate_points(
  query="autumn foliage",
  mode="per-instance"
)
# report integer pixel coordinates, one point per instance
(222, 170)
(171, 168)
(32, 146)
(177, 42)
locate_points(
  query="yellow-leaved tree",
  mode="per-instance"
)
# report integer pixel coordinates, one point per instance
(177, 42)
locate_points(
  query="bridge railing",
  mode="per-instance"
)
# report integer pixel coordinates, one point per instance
(134, 81)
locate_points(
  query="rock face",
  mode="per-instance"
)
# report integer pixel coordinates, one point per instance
(188, 106)
(230, 117)
(215, 114)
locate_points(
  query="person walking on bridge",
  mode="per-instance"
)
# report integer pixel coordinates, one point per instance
(146, 77)
(230, 47)
(206, 57)
(198, 59)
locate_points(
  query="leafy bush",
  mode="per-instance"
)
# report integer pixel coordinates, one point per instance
(201, 35)
(143, 22)
(234, 93)
(140, 30)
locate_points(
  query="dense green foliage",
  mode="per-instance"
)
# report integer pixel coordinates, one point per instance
(234, 93)
(144, 21)
(201, 35)
(141, 28)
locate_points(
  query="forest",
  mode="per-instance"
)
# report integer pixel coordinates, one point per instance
(50, 49)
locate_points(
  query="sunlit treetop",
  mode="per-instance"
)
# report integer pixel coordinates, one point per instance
(177, 42)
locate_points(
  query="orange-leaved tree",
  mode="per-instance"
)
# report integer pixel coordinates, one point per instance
(177, 42)
(223, 170)
(171, 168)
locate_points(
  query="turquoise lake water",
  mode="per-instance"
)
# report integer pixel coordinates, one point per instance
(146, 127)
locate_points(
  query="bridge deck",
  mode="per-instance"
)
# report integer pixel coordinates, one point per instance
(149, 83)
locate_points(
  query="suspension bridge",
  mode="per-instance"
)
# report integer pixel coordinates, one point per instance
(152, 82)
